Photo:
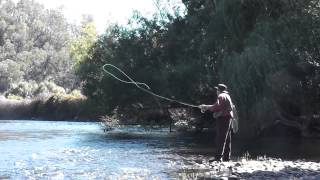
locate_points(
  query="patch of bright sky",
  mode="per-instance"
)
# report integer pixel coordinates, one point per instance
(104, 12)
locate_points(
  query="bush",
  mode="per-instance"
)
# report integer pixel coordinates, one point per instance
(31, 89)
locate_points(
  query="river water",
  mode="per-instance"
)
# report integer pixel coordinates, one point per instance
(82, 150)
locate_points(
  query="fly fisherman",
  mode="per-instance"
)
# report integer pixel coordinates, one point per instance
(222, 111)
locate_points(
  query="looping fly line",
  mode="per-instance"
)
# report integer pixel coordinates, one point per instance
(142, 86)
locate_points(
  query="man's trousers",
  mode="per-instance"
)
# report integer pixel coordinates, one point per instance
(223, 138)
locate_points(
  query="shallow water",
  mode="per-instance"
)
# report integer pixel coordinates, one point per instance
(82, 150)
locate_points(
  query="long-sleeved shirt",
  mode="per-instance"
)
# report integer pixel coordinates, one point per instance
(223, 104)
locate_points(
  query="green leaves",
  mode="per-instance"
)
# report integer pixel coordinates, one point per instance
(38, 40)
(249, 45)
(80, 46)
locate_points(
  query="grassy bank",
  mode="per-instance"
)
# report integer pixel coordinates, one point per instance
(50, 108)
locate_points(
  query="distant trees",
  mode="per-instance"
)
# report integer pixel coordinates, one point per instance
(85, 38)
(37, 45)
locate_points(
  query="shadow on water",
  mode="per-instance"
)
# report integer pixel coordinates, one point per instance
(287, 148)
(204, 143)
(281, 147)
(286, 173)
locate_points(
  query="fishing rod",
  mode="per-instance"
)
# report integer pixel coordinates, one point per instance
(142, 86)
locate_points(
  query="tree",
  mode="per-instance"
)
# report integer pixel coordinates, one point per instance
(37, 39)
(82, 43)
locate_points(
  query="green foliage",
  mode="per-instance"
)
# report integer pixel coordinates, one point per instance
(10, 71)
(81, 45)
(265, 51)
(22, 89)
(32, 89)
(276, 60)
(14, 97)
(34, 45)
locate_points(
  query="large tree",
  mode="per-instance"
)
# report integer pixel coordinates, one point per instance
(37, 39)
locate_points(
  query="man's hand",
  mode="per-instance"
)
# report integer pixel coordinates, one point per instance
(203, 108)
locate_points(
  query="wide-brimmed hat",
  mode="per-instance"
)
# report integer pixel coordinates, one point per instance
(222, 87)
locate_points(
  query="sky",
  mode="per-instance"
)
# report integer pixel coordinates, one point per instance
(103, 12)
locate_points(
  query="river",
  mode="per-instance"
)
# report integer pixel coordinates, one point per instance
(82, 150)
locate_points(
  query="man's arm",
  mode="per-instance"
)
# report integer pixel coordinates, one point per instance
(218, 106)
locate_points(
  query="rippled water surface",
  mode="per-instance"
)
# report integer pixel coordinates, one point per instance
(80, 150)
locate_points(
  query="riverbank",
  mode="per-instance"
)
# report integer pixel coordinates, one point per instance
(261, 168)
(53, 108)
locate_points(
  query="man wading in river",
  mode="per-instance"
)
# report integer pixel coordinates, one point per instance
(222, 111)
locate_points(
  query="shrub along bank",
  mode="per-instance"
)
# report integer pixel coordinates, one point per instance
(47, 101)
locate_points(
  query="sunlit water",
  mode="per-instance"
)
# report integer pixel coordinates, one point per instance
(82, 150)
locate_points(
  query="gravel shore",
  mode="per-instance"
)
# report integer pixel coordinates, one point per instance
(263, 168)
